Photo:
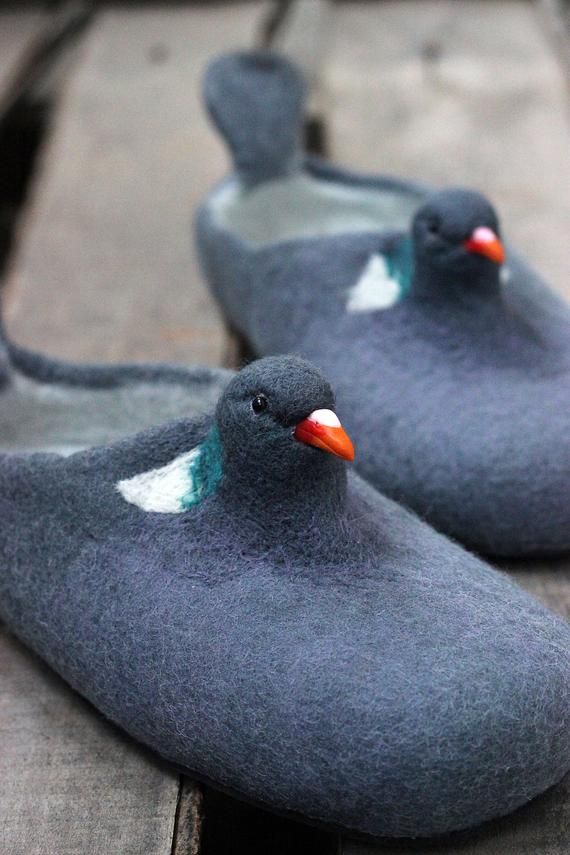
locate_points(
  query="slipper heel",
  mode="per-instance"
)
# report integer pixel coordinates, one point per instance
(256, 101)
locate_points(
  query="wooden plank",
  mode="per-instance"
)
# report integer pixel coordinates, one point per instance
(69, 781)
(548, 581)
(187, 838)
(18, 34)
(108, 253)
(302, 35)
(556, 16)
(469, 93)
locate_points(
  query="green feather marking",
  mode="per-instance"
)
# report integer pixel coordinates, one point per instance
(400, 263)
(204, 470)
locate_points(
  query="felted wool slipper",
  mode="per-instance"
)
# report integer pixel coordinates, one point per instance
(49, 405)
(225, 593)
(454, 382)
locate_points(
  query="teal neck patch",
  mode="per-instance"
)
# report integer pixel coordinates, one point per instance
(400, 263)
(205, 470)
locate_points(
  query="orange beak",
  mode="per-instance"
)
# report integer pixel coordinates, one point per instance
(323, 430)
(485, 242)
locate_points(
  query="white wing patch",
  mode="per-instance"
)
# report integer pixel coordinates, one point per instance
(162, 490)
(375, 288)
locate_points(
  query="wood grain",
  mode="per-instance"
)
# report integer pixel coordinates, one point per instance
(18, 34)
(548, 581)
(106, 267)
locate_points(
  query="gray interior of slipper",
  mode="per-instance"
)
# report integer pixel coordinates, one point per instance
(59, 418)
(305, 206)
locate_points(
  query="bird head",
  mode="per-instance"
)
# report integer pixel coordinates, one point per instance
(456, 237)
(277, 421)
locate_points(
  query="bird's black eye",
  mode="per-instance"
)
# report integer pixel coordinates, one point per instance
(433, 227)
(259, 404)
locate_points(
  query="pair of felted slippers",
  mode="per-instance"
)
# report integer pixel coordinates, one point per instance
(226, 591)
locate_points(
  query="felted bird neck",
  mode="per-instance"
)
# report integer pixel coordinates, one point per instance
(287, 498)
(437, 283)
(205, 469)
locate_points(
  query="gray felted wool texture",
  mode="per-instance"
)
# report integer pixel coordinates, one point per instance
(49, 405)
(277, 147)
(295, 638)
(458, 396)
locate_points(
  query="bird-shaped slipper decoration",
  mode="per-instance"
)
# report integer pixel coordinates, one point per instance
(225, 591)
(52, 405)
(191, 477)
(450, 358)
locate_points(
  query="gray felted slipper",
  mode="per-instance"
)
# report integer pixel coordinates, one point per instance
(225, 593)
(452, 368)
(48, 405)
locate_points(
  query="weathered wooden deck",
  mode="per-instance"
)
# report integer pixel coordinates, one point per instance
(102, 267)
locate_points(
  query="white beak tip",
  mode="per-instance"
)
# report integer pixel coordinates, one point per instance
(324, 417)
